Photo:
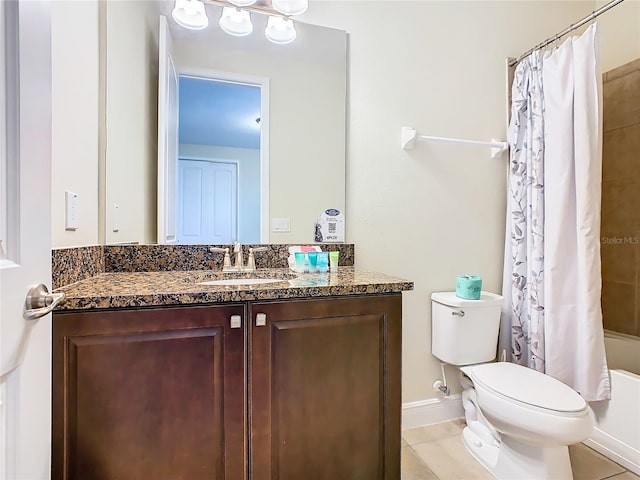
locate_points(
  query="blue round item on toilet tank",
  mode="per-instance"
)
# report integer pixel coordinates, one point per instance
(468, 287)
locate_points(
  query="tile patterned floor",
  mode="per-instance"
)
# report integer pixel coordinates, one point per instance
(436, 452)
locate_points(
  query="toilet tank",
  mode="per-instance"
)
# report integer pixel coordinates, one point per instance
(463, 331)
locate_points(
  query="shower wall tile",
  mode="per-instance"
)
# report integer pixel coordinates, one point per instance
(621, 71)
(619, 307)
(637, 315)
(619, 259)
(622, 101)
(621, 149)
(620, 226)
(620, 206)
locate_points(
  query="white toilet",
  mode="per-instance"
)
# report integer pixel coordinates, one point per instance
(519, 421)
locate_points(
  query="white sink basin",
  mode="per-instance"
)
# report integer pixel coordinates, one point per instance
(243, 281)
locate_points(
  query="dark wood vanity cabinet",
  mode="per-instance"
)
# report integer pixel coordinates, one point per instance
(309, 389)
(325, 389)
(149, 394)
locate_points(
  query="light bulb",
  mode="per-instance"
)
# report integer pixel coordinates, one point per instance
(290, 7)
(280, 30)
(236, 22)
(190, 14)
(242, 3)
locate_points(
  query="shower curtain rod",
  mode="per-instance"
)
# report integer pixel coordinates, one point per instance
(570, 29)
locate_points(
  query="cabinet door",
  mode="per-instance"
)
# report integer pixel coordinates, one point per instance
(325, 389)
(149, 394)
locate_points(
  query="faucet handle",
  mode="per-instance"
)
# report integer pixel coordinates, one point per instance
(251, 261)
(226, 263)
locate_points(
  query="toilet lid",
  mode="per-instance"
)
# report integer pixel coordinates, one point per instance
(526, 385)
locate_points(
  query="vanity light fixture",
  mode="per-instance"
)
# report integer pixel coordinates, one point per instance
(190, 14)
(236, 22)
(290, 7)
(280, 30)
(242, 3)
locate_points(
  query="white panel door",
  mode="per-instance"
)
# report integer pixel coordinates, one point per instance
(192, 206)
(207, 202)
(167, 136)
(25, 257)
(225, 198)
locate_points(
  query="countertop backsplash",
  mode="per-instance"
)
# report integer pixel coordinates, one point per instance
(70, 265)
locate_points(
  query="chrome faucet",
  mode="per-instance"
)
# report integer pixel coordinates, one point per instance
(226, 264)
(239, 261)
(251, 260)
(237, 252)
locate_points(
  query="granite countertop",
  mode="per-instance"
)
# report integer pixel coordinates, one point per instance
(138, 289)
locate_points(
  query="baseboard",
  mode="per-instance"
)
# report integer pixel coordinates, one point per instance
(614, 449)
(433, 410)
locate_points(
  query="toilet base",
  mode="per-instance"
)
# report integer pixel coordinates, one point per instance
(511, 459)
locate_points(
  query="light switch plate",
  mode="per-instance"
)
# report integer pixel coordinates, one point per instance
(280, 224)
(70, 211)
(115, 218)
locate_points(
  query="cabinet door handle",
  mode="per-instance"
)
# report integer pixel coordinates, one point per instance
(261, 319)
(236, 321)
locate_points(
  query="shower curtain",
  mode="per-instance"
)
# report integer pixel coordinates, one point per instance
(552, 320)
(522, 329)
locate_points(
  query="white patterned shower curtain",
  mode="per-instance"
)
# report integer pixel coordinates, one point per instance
(552, 319)
(523, 281)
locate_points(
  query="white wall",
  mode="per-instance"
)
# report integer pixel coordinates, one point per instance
(131, 120)
(74, 44)
(619, 34)
(438, 211)
(248, 160)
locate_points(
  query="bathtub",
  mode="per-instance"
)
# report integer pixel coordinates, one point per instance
(617, 432)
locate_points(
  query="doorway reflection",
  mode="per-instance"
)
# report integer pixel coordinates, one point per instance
(218, 192)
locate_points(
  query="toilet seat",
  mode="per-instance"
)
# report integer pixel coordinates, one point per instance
(526, 387)
(528, 405)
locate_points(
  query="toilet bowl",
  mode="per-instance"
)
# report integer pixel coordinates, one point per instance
(530, 405)
(519, 421)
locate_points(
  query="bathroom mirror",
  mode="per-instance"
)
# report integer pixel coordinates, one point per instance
(303, 137)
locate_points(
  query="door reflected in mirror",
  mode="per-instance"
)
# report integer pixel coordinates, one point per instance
(219, 190)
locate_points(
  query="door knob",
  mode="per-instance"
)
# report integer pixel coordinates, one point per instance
(39, 302)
